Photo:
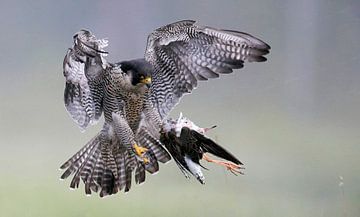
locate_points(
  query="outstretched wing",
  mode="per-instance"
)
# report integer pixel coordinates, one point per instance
(183, 53)
(84, 68)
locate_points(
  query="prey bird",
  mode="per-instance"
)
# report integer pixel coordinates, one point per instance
(188, 144)
(136, 97)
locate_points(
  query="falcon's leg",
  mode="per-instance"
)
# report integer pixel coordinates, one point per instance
(140, 151)
(234, 168)
(126, 135)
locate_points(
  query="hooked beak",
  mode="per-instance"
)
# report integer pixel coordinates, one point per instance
(146, 80)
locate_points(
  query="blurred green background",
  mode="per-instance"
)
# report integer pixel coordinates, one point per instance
(293, 121)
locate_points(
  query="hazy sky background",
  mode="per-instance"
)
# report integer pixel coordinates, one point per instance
(293, 121)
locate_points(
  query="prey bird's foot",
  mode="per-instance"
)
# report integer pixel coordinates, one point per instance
(232, 167)
(140, 152)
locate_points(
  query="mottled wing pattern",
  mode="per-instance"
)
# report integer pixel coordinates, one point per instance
(83, 68)
(183, 53)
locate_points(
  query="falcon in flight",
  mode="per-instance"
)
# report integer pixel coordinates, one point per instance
(136, 97)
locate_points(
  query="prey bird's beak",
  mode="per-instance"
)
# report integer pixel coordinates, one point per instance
(146, 80)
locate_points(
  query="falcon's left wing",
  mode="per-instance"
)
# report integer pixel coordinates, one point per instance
(183, 53)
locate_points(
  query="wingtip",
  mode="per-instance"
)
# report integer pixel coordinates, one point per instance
(177, 23)
(64, 166)
(257, 59)
(186, 21)
(267, 46)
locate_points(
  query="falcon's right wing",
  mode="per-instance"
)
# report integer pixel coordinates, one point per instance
(84, 68)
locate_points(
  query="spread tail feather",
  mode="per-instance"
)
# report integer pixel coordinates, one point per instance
(106, 167)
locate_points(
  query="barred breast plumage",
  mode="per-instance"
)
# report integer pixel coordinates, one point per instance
(120, 96)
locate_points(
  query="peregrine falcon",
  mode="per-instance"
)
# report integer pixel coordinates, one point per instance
(136, 97)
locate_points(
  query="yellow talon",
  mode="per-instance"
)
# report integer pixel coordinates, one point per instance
(145, 160)
(140, 151)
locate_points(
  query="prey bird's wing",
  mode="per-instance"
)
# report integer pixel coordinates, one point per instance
(84, 67)
(183, 53)
(208, 145)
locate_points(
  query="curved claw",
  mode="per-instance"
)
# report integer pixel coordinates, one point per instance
(140, 152)
(145, 160)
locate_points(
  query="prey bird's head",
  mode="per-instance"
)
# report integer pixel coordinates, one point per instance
(138, 71)
(185, 122)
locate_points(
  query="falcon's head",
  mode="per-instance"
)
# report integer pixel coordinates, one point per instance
(138, 71)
